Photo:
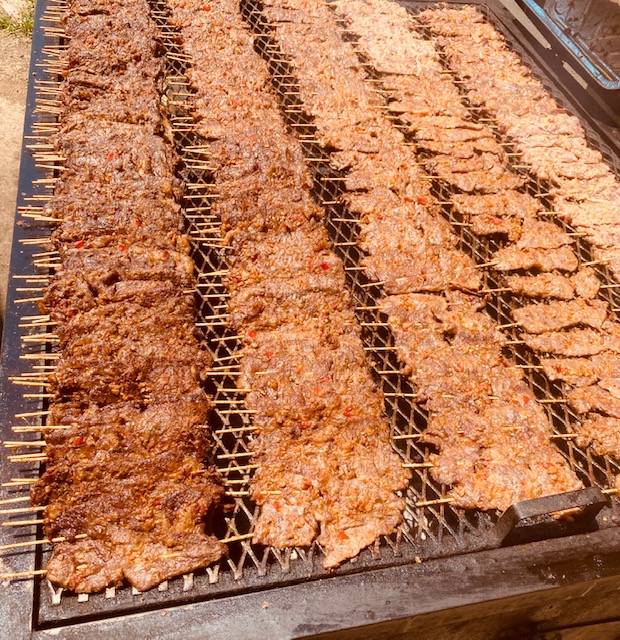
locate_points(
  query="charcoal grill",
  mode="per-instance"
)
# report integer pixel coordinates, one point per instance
(445, 572)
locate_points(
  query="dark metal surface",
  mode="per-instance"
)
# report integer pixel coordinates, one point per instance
(571, 28)
(279, 594)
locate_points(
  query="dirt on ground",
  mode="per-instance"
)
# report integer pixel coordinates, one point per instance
(14, 63)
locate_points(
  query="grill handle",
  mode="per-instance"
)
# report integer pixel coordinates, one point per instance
(587, 501)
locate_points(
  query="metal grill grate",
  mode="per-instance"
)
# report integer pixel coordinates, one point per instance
(432, 528)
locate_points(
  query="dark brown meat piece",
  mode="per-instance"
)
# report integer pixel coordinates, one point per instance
(278, 301)
(553, 316)
(135, 151)
(133, 97)
(514, 259)
(544, 285)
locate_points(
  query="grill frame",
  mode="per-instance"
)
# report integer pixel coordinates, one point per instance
(405, 572)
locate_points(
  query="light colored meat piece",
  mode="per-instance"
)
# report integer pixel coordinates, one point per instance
(577, 372)
(575, 342)
(602, 433)
(544, 285)
(504, 204)
(514, 259)
(594, 398)
(542, 235)
(586, 283)
(488, 225)
(541, 318)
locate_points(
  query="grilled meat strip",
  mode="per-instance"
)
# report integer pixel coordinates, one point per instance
(125, 486)
(326, 469)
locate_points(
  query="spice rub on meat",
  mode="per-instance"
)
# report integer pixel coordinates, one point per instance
(126, 487)
(326, 467)
(553, 316)
(493, 438)
(552, 142)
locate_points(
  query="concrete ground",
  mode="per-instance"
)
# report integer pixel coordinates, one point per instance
(14, 61)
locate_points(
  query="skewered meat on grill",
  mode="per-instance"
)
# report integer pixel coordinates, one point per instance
(553, 316)
(513, 259)
(553, 143)
(572, 343)
(511, 204)
(479, 406)
(594, 398)
(602, 433)
(125, 487)
(326, 469)
(543, 285)
(448, 347)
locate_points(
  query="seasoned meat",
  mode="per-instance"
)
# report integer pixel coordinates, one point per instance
(513, 259)
(325, 466)
(543, 285)
(542, 235)
(594, 398)
(510, 204)
(577, 372)
(488, 225)
(552, 142)
(602, 433)
(574, 342)
(493, 438)
(126, 487)
(553, 316)
(586, 283)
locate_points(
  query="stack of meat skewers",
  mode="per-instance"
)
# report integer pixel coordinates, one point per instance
(326, 469)
(492, 436)
(127, 492)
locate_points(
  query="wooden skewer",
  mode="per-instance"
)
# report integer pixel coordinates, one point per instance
(22, 510)
(246, 467)
(245, 536)
(22, 523)
(19, 481)
(418, 465)
(428, 503)
(409, 436)
(15, 444)
(23, 574)
(232, 456)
